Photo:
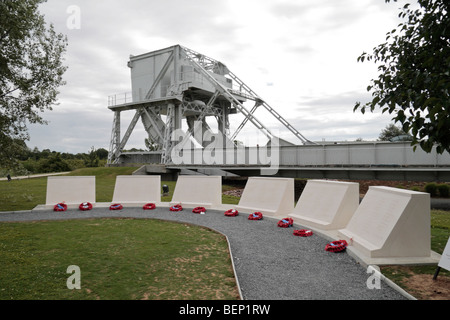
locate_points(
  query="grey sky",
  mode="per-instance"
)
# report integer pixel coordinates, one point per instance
(298, 55)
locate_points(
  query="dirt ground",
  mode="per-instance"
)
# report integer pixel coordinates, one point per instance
(421, 286)
(363, 186)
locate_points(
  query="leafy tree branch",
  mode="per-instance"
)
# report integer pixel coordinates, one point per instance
(414, 74)
(31, 71)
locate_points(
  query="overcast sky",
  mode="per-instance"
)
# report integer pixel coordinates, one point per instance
(300, 56)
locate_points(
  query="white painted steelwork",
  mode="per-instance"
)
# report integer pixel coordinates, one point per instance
(177, 83)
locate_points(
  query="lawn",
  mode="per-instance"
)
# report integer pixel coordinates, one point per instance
(17, 241)
(119, 259)
(125, 259)
(26, 194)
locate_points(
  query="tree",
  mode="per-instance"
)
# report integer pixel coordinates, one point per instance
(414, 74)
(392, 132)
(102, 153)
(31, 71)
(53, 163)
(91, 159)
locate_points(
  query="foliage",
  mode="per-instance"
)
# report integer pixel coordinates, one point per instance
(53, 163)
(392, 132)
(414, 74)
(443, 189)
(92, 159)
(435, 189)
(45, 161)
(31, 70)
(431, 188)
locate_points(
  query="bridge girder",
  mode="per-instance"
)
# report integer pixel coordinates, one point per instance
(185, 84)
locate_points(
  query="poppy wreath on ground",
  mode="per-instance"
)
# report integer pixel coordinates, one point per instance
(255, 216)
(60, 207)
(149, 206)
(85, 206)
(285, 223)
(116, 206)
(199, 210)
(231, 213)
(303, 233)
(336, 246)
(176, 207)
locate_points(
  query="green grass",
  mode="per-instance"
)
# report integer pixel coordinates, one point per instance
(19, 254)
(105, 180)
(119, 258)
(22, 194)
(440, 232)
(124, 259)
(26, 194)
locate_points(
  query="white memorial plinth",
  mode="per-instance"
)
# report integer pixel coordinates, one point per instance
(391, 226)
(444, 262)
(198, 191)
(137, 190)
(270, 196)
(326, 205)
(71, 190)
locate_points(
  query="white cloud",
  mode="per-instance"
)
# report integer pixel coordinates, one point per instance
(298, 55)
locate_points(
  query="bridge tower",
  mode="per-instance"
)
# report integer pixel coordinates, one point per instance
(175, 84)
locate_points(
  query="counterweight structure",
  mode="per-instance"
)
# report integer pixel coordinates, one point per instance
(177, 83)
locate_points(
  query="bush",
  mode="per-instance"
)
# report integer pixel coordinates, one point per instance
(53, 163)
(30, 165)
(75, 164)
(443, 190)
(431, 188)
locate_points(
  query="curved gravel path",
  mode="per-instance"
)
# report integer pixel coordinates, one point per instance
(270, 262)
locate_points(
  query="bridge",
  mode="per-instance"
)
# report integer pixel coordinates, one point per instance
(353, 161)
(177, 84)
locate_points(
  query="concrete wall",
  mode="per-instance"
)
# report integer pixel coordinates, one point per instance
(198, 191)
(71, 190)
(270, 196)
(391, 223)
(327, 205)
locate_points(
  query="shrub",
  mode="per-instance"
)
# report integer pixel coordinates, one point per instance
(431, 188)
(53, 163)
(443, 190)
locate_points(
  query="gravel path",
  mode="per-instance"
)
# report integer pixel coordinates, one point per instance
(270, 262)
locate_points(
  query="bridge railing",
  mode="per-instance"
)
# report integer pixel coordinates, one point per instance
(370, 154)
(357, 154)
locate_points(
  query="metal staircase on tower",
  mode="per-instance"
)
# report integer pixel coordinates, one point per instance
(175, 84)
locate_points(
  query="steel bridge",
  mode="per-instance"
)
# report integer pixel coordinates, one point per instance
(353, 161)
(177, 84)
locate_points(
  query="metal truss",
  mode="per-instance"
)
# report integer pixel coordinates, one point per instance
(205, 63)
(151, 109)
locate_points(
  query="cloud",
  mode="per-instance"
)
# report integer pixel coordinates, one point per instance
(298, 55)
(331, 117)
